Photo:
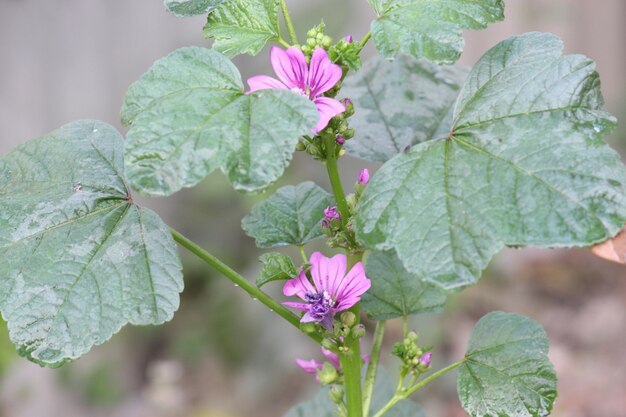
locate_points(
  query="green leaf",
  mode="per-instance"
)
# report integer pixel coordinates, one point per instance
(189, 115)
(506, 371)
(321, 406)
(348, 54)
(79, 258)
(395, 292)
(186, 8)
(276, 267)
(292, 216)
(243, 26)
(400, 103)
(430, 28)
(524, 165)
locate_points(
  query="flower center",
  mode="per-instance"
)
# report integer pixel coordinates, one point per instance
(319, 304)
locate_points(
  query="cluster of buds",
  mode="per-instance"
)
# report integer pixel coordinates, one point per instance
(415, 359)
(316, 39)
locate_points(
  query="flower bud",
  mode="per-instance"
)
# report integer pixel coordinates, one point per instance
(327, 41)
(311, 33)
(336, 394)
(358, 331)
(348, 318)
(348, 39)
(308, 327)
(311, 42)
(364, 177)
(328, 374)
(412, 336)
(328, 344)
(331, 213)
(349, 133)
(349, 107)
(424, 361)
(301, 146)
(340, 140)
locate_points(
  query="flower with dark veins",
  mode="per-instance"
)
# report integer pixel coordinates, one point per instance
(307, 80)
(332, 290)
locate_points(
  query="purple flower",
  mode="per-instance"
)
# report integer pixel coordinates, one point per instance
(424, 360)
(331, 291)
(308, 80)
(364, 177)
(331, 214)
(348, 39)
(340, 140)
(312, 366)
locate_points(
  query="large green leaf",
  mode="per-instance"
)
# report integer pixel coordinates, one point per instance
(321, 406)
(430, 28)
(524, 164)
(189, 115)
(243, 26)
(186, 8)
(400, 103)
(292, 216)
(78, 258)
(506, 371)
(276, 267)
(395, 292)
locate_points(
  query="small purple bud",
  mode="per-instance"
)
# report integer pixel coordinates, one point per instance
(325, 224)
(346, 102)
(424, 360)
(331, 213)
(348, 39)
(364, 177)
(340, 140)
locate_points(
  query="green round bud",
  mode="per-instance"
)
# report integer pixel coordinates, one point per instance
(308, 327)
(348, 318)
(328, 374)
(306, 49)
(358, 331)
(328, 344)
(311, 42)
(311, 33)
(327, 41)
(301, 146)
(413, 337)
(336, 394)
(349, 133)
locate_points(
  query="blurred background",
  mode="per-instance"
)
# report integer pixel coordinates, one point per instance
(224, 355)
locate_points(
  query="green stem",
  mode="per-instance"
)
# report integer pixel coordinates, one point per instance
(248, 287)
(432, 377)
(335, 180)
(305, 258)
(288, 22)
(372, 368)
(283, 42)
(351, 364)
(366, 38)
(402, 393)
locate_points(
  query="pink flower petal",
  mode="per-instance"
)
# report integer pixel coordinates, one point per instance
(263, 82)
(323, 74)
(290, 66)
(327, 273)
(299, 286)
(310, 367)
(353, 285)
(299, 306)
(333, 358)
(327, 108)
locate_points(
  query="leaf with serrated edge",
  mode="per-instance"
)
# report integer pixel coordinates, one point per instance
(79, 258)
(276, 267)
(188, 115)
(292, 216)
(243, 26)
(395, 292)
(524, 165)
(506, 371)
(430, 28)
(400, 103)
(187, 8)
